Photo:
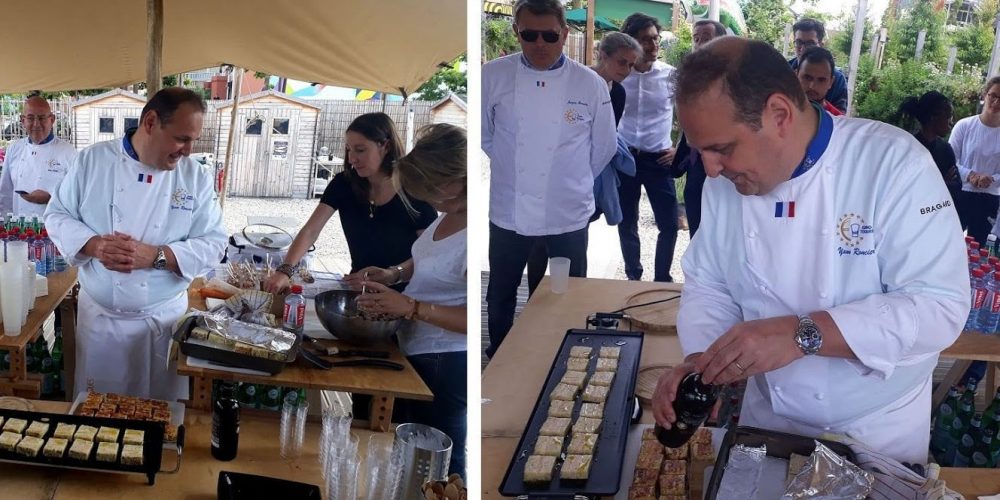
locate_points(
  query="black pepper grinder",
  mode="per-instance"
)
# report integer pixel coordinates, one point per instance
(692, 406)
(225, 423)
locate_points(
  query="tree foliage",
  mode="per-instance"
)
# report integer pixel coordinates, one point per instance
(975, 41)
(681, 46)
(922, 15)
(766, 20)
(841, 43)
(498, 39)
(446, 80)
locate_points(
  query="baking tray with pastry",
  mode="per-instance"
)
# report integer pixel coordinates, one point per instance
(169, 413)
(59, 440)
(232, 342)
(574, 442)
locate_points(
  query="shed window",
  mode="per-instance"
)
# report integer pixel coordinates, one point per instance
(254, 126)
(131, 123)
(280, 126)
(106, 125)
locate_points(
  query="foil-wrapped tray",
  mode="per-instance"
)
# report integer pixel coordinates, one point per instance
(236, 343)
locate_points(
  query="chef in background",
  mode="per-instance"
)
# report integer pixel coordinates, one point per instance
(830, 267)
(34, 165)
(141, 220)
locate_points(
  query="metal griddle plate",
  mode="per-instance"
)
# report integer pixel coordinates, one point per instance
(606, 467)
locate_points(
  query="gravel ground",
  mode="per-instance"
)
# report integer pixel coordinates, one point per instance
(609, 250)
(331, 243)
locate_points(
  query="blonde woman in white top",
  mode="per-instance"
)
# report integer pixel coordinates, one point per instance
(435, 338)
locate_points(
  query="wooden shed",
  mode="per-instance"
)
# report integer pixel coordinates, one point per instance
(104, 116)
(451, 109)
(273, 148)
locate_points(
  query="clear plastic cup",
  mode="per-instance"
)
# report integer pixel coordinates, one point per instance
(559, 274)
(301, 414)
(286, 437)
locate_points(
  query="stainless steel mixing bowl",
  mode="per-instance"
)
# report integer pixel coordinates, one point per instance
(337, 312)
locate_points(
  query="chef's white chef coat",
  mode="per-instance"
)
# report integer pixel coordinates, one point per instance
(875, 241)
(108, 191)
(649, 108)
(548, 135)
(28, 167)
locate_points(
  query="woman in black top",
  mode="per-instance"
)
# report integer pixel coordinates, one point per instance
(377, 225)
(933, 111)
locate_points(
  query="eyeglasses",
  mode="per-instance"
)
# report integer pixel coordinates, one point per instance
(805, 43)
(532, 35)
(33, 118)
(993, 97)
(649, 39)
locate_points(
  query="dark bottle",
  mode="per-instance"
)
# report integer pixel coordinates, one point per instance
(692, 406)
(225, 423)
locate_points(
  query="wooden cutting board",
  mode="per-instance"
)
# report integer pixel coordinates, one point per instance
(645, 383)
(659, 318)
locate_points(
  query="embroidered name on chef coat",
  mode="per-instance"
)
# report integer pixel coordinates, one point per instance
(182, 200)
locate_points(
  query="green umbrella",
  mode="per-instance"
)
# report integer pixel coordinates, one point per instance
(578, 18)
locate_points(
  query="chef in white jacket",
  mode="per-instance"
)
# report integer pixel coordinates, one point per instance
(549, 131)
(829, 268)
(141, 220)
(34, 165)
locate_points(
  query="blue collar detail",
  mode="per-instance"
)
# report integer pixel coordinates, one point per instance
(127, 144)
(556, 65)
(818, 144)
(50, 138)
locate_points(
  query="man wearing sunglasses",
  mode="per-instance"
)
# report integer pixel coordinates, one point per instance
(810, 33)
(35, 164)
(645, 126)
(548, 129)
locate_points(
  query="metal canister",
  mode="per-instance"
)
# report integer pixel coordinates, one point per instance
(424, 454)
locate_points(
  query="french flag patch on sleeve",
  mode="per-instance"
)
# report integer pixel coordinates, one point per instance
(784, 209)
(146, 178)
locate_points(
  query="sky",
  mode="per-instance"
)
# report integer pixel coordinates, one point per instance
(835, 7)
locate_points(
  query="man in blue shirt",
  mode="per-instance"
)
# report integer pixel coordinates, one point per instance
(810, 33)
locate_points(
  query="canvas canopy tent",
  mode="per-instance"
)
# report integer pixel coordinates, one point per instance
(390, 46)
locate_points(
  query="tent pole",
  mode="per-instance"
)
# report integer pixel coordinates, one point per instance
(154, 54)
(588, 36)
(859, 33)
(675, 12)
(237, 88)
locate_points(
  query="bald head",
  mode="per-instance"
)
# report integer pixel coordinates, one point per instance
(37, 119)
(749, 72)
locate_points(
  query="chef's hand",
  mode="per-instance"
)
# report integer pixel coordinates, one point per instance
(114, 252)
(382, 299)
(277, 283)
(750, 348)
(37, 196)
(666, 391)
(666, 157)
(375, 274)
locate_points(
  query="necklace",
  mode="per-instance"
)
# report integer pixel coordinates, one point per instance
(371, 209)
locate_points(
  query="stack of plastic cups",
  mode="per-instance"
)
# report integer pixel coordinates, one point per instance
(286, 437)
(342, 465)
(382, 475)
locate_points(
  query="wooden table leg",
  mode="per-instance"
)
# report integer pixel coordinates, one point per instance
(201, 395)
(67, 312)
(951, 378)
(991, 382)
(381, 413)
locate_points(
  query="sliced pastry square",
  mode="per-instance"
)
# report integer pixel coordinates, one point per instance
(564, 392)
(55, 447)
(107, 452)
(15, 425)
(549, 445)
(108, 435)
(132, 454)
(579, 351)
(85, 433)
(587, 425)
(603, 378)
(577, 364)
(576, 467)
(574, 378)
(592, 410)
(64, 431)
(9, 440)
(607, 364)
(613, 352)
(675, 467)
(672, 485)
(678, 453)
(81, 449)
(555, 426)
(595, 393)
(562, 409)
(29, 446)
(133, 436)
(538, 468)
(582, 443)
(37, 429)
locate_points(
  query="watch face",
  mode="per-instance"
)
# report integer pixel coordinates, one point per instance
(809, 338)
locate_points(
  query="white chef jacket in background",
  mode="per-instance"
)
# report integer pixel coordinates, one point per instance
(29, 167)
(875, 241)
(649, 108)
(548, 135)
(108, 191)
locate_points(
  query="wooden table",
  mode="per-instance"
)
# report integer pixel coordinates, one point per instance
(514, 377)
(383, 385)
(969, 347)
(199, 471)
(19, 382)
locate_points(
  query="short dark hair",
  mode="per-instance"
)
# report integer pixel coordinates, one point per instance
(807, 24)
(990, 83)
(720, 29)
(541, 8)
(637, 22)
(817, 55)
(166, 102)
(926, 107)
(749, 79)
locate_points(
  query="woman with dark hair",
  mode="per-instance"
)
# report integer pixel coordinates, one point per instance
(933, 112)
(377, 224)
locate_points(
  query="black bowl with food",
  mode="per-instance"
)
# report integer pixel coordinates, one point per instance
(338, 312)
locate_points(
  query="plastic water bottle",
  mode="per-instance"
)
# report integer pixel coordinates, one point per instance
(973, 263)
(38, 249)
(989, 315)
(978, 298)
(50, 254)
(991, 244)
(984, 256)
(295, 310)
